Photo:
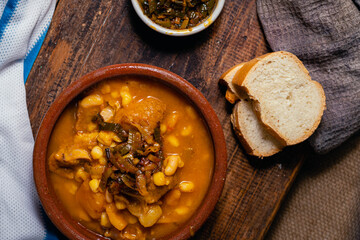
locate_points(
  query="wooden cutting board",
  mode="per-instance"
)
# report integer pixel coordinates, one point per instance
(86, 35)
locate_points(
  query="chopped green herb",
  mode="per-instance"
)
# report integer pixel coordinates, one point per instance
(177, 14)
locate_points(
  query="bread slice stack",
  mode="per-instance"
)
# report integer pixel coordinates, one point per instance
(277, 103)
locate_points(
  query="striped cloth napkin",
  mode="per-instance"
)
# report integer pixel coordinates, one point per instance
(23, 26)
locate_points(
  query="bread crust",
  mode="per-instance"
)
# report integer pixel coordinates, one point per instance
(243, 138)
(231, 96)
(234, 120)
(226, 79)
(240, 80)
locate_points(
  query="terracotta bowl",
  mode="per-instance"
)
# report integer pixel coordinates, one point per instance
(54, 209)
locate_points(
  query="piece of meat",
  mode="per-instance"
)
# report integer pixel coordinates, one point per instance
(84, 117)
(146, 113)
(86, 140)
(66, 159)
(155, 193)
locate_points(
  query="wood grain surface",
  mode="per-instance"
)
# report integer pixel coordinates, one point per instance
(86, 35)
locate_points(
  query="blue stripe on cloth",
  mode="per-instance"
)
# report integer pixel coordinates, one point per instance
(52, 233)
(30, 58)
(9, 10)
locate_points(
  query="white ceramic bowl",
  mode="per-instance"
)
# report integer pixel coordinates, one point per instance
(181, 32)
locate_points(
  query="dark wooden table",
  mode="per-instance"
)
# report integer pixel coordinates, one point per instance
(86, 35)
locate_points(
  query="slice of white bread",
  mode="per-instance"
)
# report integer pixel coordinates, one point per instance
(254, 137)
(226, 79)
(250, 131)
(284, 97)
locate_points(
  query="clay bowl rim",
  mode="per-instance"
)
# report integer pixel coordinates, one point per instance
(58, 215)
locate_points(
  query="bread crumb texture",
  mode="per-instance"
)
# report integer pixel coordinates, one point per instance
(289, 102)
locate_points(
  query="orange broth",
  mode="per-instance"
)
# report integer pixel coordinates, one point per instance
(192, 143)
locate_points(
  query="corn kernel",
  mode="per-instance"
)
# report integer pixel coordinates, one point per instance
(186, 186)
(186, 131)
(124, 89)
(117, 105)
(173, 141)
(107, 113)
(102, 161)
(151, 216)
(108, 196)
(181, 163)
(108, 234)
(120, 205)
(172, 197)
(182, 210)
(105, 89)
(171, 120)
(130, 218)
(115, 94)
(165, 162)
(172, 165)
(125, 95)
(91, 101)
(116, 138)
(72, 188)
(91, 127)
(106, 137)
(135, 161)
(94, 185)
(163, 128)
(81, 175)
(114, 104)
(159, 179)
(191, 112)
(97, 152)
(104, 220)
(126, 99)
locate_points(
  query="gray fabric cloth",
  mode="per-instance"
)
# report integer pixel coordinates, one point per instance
(325, 35)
